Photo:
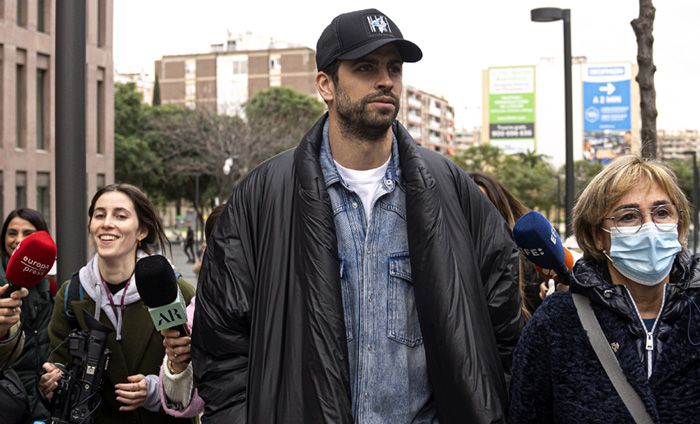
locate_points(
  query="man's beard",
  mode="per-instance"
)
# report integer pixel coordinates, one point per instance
(358, 121)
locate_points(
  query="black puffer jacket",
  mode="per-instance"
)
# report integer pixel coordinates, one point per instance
(557, 377)
(269, 334)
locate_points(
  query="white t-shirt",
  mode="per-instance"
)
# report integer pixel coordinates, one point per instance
(365, 184)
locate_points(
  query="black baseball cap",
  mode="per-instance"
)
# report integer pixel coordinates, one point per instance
(356, 34)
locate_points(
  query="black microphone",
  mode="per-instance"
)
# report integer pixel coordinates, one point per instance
(157, 286)
(540, 243)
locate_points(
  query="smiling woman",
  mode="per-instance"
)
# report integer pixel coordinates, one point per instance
(124, 228)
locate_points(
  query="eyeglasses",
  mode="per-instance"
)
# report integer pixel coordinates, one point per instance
(632, 219)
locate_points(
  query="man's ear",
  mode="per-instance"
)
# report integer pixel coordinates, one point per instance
(325, 86)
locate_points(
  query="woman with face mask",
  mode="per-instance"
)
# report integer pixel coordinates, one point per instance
(631, 222)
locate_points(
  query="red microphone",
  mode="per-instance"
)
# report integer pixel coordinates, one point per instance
(31, 261)
(549, 273)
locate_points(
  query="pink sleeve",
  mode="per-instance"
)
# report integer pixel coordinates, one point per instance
(196, 405)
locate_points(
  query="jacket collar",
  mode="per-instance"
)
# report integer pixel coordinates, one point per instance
(330, 170)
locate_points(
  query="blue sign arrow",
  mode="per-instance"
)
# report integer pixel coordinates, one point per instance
(606, 106)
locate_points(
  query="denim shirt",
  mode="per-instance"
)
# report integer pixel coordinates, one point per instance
(388, 370)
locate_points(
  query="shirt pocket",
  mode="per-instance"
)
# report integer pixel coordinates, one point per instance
(348, 303)
(403, 325)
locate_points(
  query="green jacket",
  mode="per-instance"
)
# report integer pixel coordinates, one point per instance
(139, 352)
(36, 313)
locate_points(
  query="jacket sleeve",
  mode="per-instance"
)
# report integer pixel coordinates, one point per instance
(497, 257)
(530, 388)
(221, 328)
(11, 347)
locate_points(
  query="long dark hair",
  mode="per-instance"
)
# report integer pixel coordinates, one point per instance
(508, 205)
(145, 212)
(27, 214)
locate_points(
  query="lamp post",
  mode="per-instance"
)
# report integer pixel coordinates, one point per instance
(196, 210)
(558, 202)
(550, 14)
(696, 195)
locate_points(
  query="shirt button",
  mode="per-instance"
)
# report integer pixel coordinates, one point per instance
(366, 395)
(389, 183)
(369, 298)
(354, 205)
(369, 348)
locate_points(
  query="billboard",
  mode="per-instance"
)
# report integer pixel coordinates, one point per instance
(512, 108)
(607, 122)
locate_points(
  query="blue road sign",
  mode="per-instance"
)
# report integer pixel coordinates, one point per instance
(606, 99)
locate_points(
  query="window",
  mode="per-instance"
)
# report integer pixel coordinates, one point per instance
(20, 105)
(101, 22)
(240, 67)
(190, 67)
(101, 181)
(22, 13)
(100, 110)
(21, 190)
(42, 109)
(43, 195)
(41, 15)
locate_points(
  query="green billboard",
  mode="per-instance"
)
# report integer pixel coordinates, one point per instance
(512, 108)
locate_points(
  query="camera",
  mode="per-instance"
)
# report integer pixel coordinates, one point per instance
(77, 397)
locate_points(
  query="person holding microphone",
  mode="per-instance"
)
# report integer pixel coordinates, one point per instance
(124, 227)
(38, 304)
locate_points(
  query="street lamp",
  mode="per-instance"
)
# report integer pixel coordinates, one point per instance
(696, 194)
(550, 14)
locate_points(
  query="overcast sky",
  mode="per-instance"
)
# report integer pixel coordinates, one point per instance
(458, 39)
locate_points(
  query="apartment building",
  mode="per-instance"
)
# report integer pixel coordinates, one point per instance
(27, 107)
(428, 118)
(223, 79)
(677, 144)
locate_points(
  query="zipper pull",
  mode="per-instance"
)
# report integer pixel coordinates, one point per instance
(650, 341)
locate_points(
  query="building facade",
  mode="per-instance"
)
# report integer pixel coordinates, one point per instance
(27, 106)
(428, 118)
(233, 72)
(677, 144)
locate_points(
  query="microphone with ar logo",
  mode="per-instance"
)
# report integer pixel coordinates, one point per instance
(157, 286)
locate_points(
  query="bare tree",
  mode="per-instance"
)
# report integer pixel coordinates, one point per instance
(643, 29)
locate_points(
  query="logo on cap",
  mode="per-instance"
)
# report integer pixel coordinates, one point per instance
(378, 23)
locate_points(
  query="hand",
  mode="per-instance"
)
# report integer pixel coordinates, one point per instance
(177, 348)
(49, 380)
(10, 308)
(547, 289)
(132, 394)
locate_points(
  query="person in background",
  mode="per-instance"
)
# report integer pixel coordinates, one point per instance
(189, 245)
(631, 223)
(36, 309)
(124, 227)
(177, 392)
(512, 209)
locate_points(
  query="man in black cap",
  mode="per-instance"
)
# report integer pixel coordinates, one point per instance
(358, 277)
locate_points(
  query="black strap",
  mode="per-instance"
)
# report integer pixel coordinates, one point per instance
(607, 359)
(74, 291)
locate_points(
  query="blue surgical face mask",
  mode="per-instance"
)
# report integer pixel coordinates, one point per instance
(645, 256)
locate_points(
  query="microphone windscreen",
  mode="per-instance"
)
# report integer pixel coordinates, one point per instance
(32, 260)
(155, 281)
(539, 241)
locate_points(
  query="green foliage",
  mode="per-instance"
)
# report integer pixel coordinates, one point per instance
(528, 176)
(129, 110)
(279, 117)
(162, 148)
(684, 173)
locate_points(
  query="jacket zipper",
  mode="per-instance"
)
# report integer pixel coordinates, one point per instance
(650, 334)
